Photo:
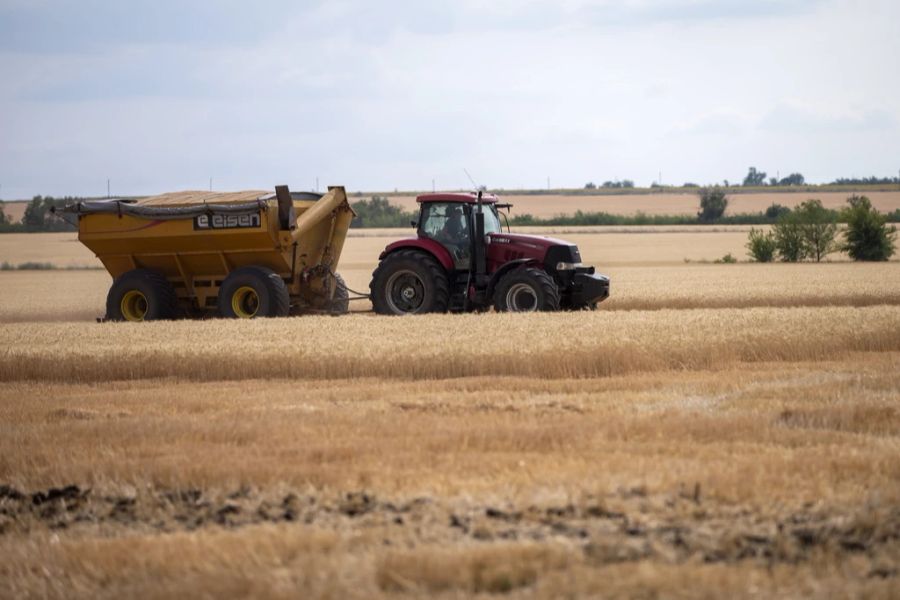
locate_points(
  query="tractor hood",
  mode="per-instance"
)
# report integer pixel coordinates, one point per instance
(509, 246)
(535, 242)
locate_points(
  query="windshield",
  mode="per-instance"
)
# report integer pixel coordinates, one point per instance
(491, 220)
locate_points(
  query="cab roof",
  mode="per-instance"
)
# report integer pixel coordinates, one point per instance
(468, 197)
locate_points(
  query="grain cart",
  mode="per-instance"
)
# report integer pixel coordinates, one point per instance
(461, 260)
(241, 255)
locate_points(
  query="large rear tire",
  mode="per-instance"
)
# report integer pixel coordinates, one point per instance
(526, 289)
(408, 282)
(252, 292)
(141, 295)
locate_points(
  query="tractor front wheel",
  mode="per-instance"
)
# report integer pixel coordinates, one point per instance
(526, 289)
(251, 292)
(408, 282)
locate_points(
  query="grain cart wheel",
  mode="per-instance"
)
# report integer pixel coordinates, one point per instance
(408, 282)
(526, 289)
(251, 292)
(141, 295)
(340, 301)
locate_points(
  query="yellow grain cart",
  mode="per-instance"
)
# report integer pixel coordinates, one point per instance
(242, 254)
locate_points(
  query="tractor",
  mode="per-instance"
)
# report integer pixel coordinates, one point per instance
(461, 260)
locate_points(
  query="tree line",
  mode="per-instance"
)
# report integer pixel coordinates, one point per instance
(810, 232)
(38, 217)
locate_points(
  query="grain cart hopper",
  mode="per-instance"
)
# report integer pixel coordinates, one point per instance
(241, 255)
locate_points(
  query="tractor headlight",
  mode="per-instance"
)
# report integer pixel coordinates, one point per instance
(567, 266)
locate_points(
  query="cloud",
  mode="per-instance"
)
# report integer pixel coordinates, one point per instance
(164, 94)
(797, 118)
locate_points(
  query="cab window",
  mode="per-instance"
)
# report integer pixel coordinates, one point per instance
(446, 223)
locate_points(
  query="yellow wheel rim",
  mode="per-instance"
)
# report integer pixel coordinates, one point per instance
(245, 302)
(133, 305)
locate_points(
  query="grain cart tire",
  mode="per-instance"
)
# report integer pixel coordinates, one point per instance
(526, 289)
(251, 292)
(340, 301)
(141, 295)
(409, 282)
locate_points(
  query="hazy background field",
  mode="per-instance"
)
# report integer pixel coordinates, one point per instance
(669, 203)
(681, 203)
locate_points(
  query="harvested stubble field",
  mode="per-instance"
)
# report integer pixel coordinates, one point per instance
(713, 430)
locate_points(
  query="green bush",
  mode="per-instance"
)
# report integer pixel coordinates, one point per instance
(728, 259)
(868, 237)
(819, 227)
(809, 231)
(789, 239)
(761, 245)
(776, 210)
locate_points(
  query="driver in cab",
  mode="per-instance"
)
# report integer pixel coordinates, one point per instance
(454, 235)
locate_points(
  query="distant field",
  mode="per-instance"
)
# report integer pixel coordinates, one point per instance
(628, 204)
(14, 210)
(669, 204)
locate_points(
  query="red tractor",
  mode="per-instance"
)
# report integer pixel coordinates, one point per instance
(461, 260)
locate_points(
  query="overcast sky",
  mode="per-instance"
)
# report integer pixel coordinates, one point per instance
(160, 95)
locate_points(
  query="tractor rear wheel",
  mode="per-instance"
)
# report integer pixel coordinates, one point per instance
(526, 289)
(251, 292)
(408, 282)
(141, 295)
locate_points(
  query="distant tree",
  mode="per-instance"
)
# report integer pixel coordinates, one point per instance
(792, 179)
(755, 177)
(713, 203)
(868, 236)
(378, 212)
(4, 219)
(761, 245)
(789, 238)
(776, 210)
(773, 181)
(688, 184)
(625, 183)
(590, 185)
(35, 214)
(819, 228)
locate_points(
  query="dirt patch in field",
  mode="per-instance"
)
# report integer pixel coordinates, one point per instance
(626, 526)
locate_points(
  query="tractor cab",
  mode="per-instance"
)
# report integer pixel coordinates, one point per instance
(449, 220)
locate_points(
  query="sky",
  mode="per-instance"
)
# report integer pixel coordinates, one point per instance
(162, 95)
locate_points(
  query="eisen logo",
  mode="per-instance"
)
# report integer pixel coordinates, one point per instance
(226, 221)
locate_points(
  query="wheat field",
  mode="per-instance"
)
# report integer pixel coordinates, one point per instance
(713, 430)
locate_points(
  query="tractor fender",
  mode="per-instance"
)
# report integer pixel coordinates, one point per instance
(423, 244)
(506, 268)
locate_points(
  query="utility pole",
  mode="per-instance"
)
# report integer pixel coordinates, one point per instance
(107, 188)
